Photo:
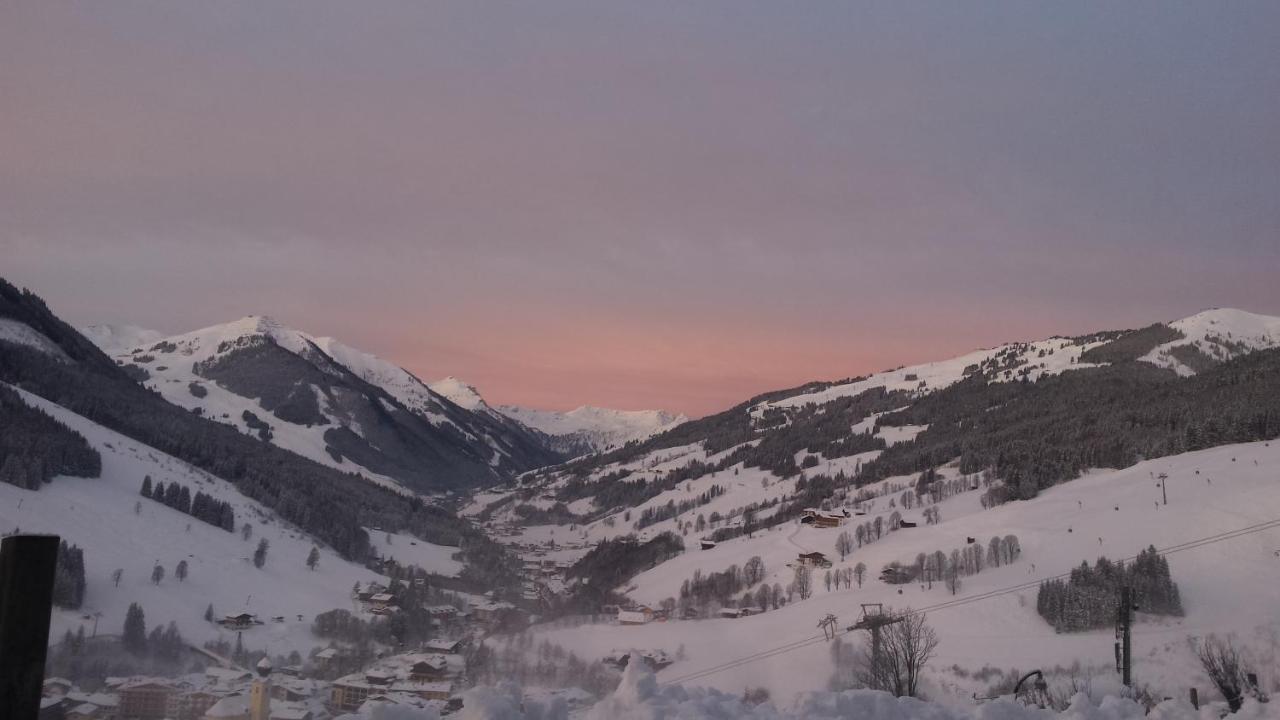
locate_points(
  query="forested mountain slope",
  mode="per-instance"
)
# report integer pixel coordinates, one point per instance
(332, 403)
(1030, 415)
(332, 506)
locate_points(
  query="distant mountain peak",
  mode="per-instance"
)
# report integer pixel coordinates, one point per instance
(460, 393)
(1214, 335)
(588, 428)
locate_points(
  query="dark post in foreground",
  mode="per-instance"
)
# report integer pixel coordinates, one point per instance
(27, 565)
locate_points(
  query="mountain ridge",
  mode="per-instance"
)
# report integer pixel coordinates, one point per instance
(332, 403)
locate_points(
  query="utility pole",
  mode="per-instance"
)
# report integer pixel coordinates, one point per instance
(1164, 494)
(828, 625)
(1124, 649)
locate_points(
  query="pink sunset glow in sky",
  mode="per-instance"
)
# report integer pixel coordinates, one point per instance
(639, 205)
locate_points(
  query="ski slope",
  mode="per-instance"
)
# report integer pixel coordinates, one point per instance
(98, 514)
(1227, 587)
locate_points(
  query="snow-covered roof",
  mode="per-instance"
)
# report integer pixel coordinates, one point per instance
(281, 710)
(231, 706)
(441, 644)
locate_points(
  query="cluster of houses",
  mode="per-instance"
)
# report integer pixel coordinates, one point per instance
(655, 659)
(544, 579)
(421, 680)
(377, 599)
(217, 694)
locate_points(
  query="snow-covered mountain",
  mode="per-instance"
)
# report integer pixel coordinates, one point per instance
(115, 339)
(331, 403)
(591, 429)
(577, 432)
(910, 417)
(1213, 336)
(461, 394)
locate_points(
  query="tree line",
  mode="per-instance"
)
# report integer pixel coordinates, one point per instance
(1088, 598)
(34, 447)
(202, 507)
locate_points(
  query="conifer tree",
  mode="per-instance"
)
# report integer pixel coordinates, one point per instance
(134, 637)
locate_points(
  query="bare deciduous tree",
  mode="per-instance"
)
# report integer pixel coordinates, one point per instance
(1221, 662)
(803, 582)
(905, 648)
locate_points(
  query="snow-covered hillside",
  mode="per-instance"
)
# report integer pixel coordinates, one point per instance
(119, 529)
(1214, 336)
(1007, 362)
(323, 400)
(23, 334)
(116, 339)
(596, 429)
(1227, 587)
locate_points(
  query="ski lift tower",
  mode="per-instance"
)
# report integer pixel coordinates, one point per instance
(873, 619)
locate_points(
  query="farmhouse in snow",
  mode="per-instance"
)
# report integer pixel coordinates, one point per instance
(822, 518)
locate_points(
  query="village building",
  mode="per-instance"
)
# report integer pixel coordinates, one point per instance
(655, 659)
(491, 610)
(442, 645)
(191, 704)
(642, 616)
(87, 711)
(823, 518)
(56, 686)
(239, 622)
(814, 559)
(231, 707)
(426, 676)
(145, 698)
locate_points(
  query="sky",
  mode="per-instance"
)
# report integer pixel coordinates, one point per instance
(637, 205)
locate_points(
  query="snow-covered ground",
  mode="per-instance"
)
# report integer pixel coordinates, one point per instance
(409, 550)
(98, 514)
(639, 696)
(1227, 587)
